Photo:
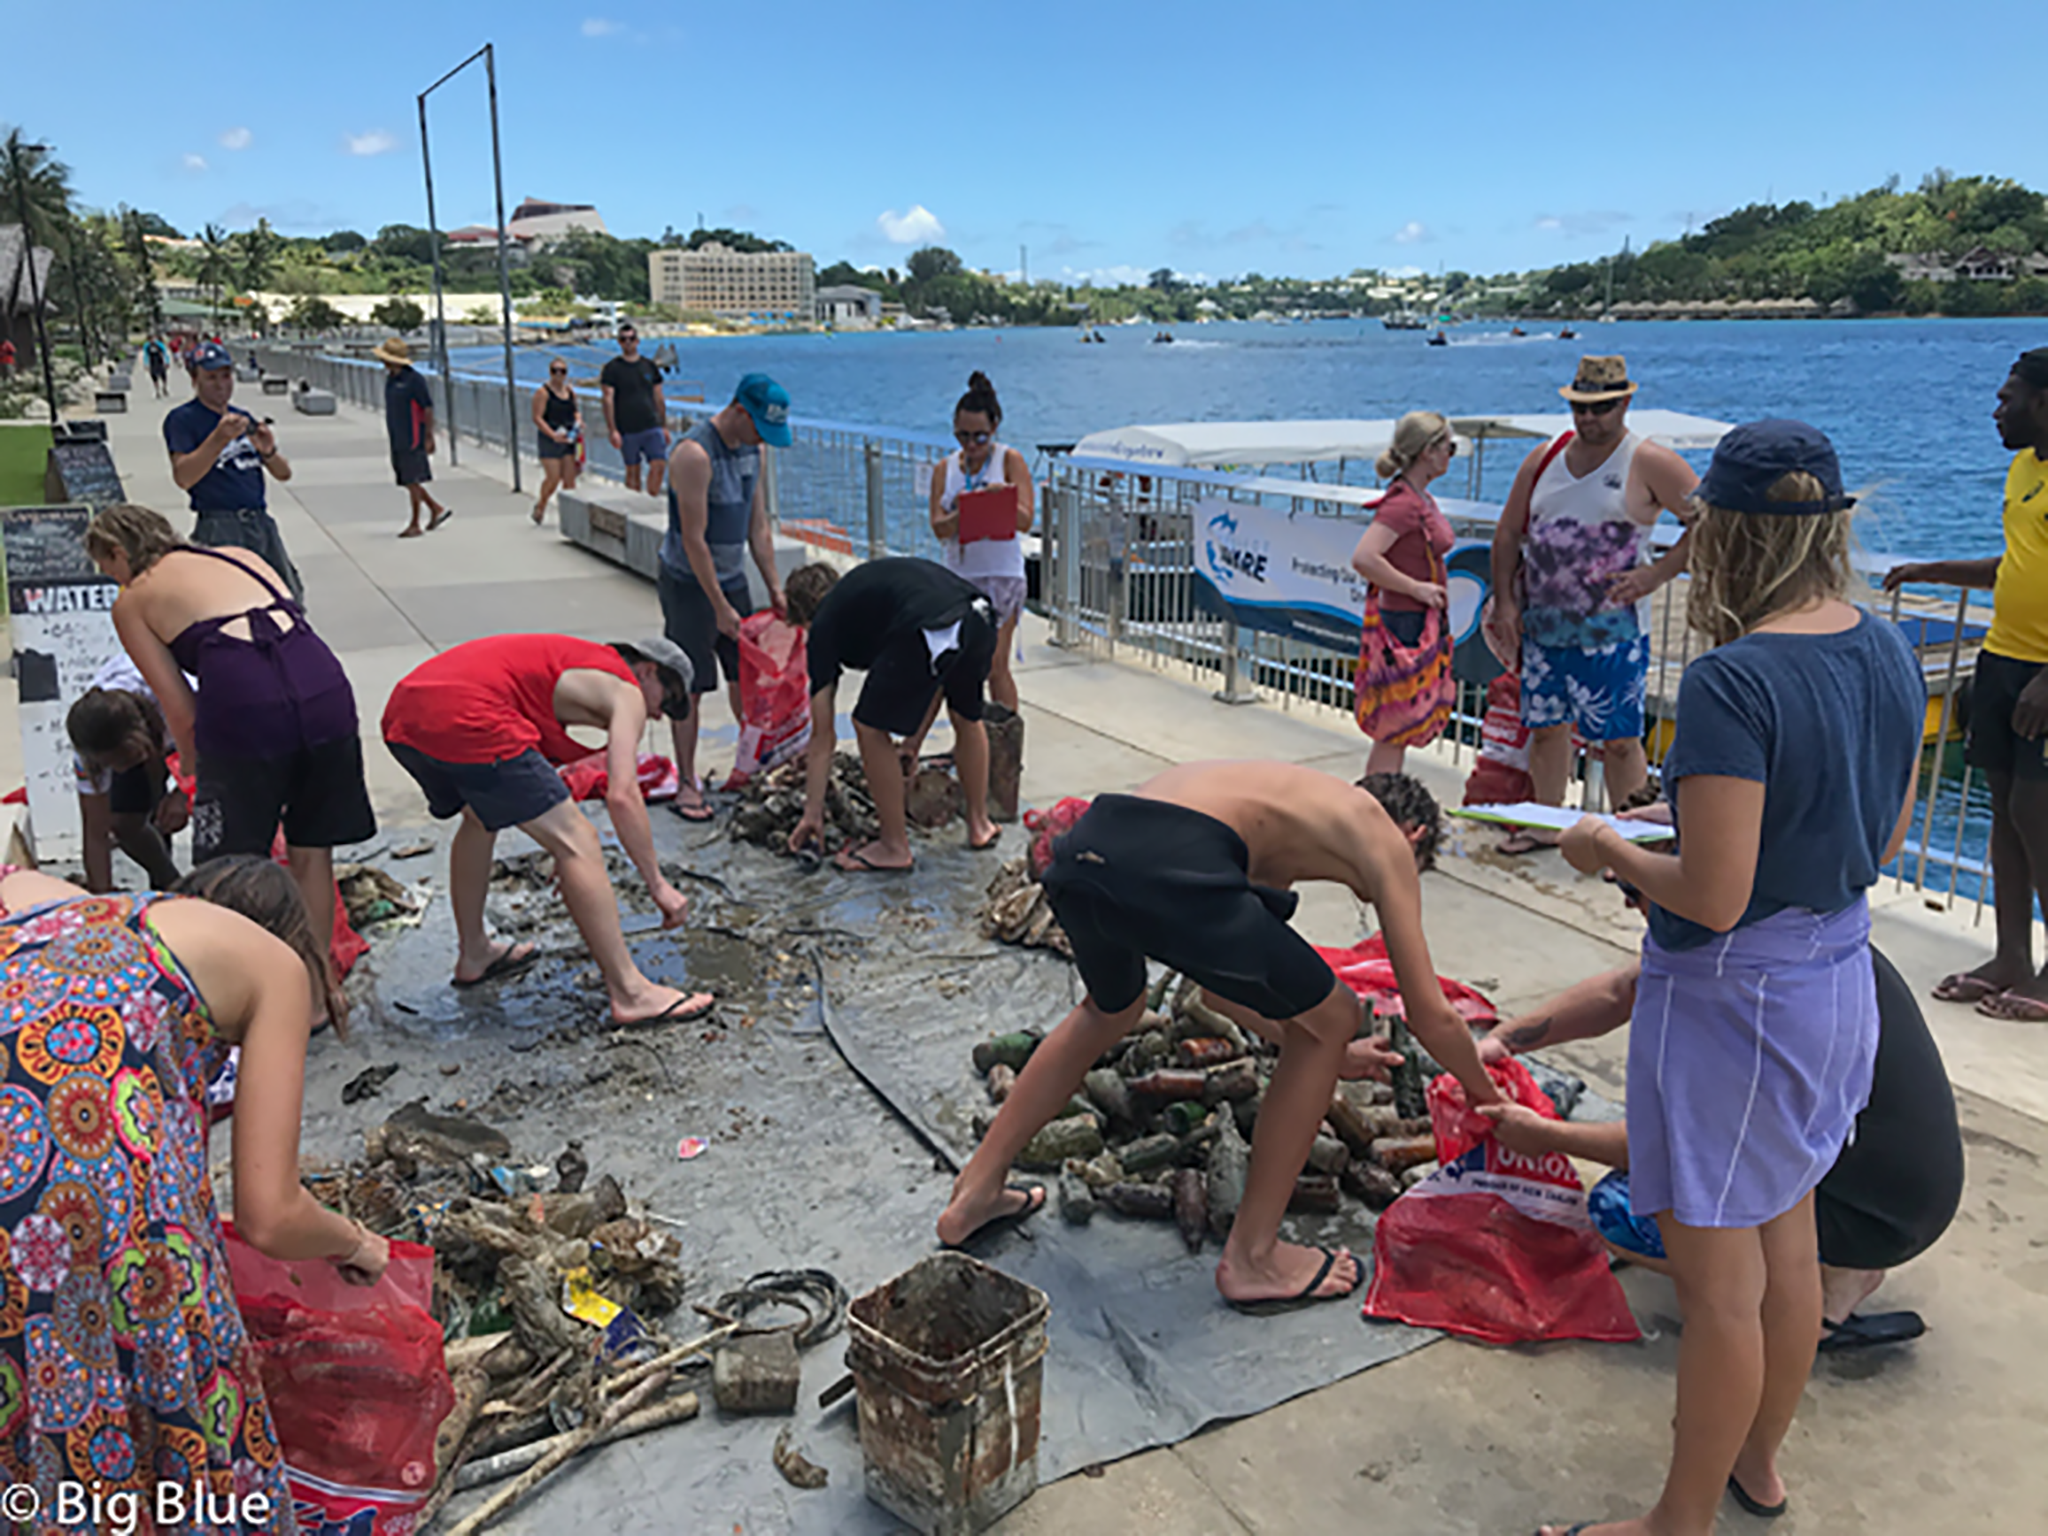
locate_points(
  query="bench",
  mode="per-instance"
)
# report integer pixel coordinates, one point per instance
(110, 402)
(314, 402)
(276, 385)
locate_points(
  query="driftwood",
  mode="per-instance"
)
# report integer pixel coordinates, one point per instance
(671, 1410)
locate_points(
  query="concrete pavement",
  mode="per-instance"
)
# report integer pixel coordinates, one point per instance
(1940, 1436)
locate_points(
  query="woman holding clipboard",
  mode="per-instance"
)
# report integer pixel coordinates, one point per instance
(981, 501)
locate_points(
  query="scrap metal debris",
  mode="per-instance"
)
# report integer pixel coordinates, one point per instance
(796, 1470)
(772, 803)
(368, 1083)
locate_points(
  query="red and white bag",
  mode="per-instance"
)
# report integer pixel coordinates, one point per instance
(775, 696)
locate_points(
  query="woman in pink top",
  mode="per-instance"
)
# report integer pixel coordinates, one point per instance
(1402, 553)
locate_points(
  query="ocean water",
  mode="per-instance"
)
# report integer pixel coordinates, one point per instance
(1907, 402)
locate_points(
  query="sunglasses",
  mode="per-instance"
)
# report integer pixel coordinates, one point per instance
(975, 439)
(1595, 407)
(1448, 444)
(558, 370)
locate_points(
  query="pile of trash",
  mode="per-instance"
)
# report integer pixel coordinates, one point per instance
(549, 1286)
(772, 803)
(1015, 911)
(1162, 1130)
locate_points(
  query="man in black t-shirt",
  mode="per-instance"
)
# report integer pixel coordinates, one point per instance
(921, 634)
(635, 414)
(409, 423)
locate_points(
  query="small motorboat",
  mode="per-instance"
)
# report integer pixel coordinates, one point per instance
(1439, 340)
(1567, 334)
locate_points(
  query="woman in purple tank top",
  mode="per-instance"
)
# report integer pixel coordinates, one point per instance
(270, 735)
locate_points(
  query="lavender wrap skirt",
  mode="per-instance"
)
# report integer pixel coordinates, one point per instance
(1749, 1059)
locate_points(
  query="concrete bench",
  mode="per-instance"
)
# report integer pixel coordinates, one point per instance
(314, 402)
(120, 382)
(277, 385)
(248, 373)
(110, 402)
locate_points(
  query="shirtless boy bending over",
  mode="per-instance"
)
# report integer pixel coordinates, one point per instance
(1196, 871)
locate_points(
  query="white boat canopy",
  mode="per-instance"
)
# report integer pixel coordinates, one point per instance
(1257, 444)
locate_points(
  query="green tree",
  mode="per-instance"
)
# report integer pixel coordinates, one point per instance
(401, 315)
(404, 242)
(157, 224)
(932, 261)
(1874, 285)
(343, 241)
(148, 298)
(216, 266)
(310, 312)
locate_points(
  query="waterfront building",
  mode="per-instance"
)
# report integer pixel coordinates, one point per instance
(849, 307)
(715, 279)
(534, 224)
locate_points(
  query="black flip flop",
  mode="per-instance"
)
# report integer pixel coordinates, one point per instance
(669, 1015)
(509, 963)
(439, 518)
(1751, 1506)
(1868, 1332)
(702, 811)
(862, 865)
(1306, 1296)
(1034, 1202)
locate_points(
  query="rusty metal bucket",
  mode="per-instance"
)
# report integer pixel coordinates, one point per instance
(948, 1360)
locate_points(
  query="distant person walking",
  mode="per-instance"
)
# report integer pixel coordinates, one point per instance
(270, 730)
(635, 413)
(158, 360)
(1404, 664)
(6, 357)
(560, 427)
(1568, 572)
(2008, 730)
(409, 419)
(219, 456)
(717, 513)
(994, 562)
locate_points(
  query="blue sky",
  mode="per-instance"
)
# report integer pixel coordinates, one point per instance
(1110, 138)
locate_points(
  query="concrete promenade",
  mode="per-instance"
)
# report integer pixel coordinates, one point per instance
(1943, 1435)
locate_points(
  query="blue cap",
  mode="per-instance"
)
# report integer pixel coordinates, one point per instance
(1757, 455)
(768, 403)
(211, 354)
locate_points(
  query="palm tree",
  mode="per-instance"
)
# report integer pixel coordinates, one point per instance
(215, 270)
(256, 251)
(147, 298)
(35, 189)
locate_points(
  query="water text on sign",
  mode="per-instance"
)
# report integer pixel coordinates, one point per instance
(88, 597)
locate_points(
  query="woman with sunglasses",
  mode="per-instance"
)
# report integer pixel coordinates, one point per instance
(994, 564)
(1402, 556)
(556, 419)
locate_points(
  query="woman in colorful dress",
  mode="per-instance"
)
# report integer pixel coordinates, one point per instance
(123, 1359)
(1404, 687)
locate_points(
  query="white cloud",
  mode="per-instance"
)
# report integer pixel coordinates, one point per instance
(597, 26)
(1414, 232)
(375, 142)
(194, 162)
(920, 226)
(237, 138)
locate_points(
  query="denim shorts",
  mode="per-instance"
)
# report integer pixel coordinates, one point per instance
(507, 794)
(643, 447)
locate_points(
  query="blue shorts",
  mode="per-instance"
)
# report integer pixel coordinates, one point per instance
(508, 794)
(1607, 1205)
(643, 447)
(1600, 691)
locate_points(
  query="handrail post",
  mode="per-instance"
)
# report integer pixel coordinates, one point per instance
(878, 512)
(1234, 690)
(1065, 548)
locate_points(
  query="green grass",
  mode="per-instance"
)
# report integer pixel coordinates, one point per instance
(24, 454)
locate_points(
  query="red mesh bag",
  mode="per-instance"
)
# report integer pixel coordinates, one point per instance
(589, 777)
(1366, 970)
(1044, 826)
(357, 1383)
(1493, 1245)
(775, 696)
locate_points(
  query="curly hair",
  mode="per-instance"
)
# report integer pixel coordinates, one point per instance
(1411, 806)
(263, 891)
(140, 534)
(805, 591)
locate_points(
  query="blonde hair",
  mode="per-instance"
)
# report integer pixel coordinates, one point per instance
(1413, 433)
(124, 528)
(1747, 566)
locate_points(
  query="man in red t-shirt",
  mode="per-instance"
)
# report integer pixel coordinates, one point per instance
(483, 728)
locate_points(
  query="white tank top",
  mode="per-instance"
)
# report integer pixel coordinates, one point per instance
(985, 557)
(1579, 537)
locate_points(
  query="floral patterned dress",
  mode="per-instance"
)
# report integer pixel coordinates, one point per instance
(123, 1359)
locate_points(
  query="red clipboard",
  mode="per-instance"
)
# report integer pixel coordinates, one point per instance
(988, 514)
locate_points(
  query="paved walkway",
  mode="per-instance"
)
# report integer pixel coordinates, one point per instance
(1943, 1436)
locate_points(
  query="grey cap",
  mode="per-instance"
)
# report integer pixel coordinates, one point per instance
(663, 652)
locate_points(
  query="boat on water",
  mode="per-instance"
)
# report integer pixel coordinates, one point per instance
(1567, 334)
(1163, 339)
(1516, 330)
(1439, 340)
(1403, 320)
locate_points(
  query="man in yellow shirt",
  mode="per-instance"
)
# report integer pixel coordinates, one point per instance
(2008, 727)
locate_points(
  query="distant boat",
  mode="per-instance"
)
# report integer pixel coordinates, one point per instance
(1163, 339)
(1439, 340)
(1567, 334)
(1402, 320)
(1516, 330)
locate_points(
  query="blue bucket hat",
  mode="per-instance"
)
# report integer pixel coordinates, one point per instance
(1757, 455)
(209, 355)
(767, 402)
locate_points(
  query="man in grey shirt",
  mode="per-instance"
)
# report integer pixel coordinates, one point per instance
(716, 514)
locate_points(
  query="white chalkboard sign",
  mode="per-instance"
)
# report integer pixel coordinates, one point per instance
(61, 610)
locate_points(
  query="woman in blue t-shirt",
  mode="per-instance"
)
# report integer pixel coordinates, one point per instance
(1755, 1025)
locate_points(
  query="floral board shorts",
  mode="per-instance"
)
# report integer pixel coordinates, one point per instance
(1601, 690)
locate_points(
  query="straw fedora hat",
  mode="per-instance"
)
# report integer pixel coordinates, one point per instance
(392, 350)
(1599, 378)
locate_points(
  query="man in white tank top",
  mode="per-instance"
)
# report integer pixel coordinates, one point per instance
(1568, 575)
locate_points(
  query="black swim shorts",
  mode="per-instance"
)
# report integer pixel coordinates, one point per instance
(1992, 743)
(900, 685)
(1136, 879)
(316, 793)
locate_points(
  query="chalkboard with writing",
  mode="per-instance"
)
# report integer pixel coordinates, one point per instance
(46, 544)
(83, 472)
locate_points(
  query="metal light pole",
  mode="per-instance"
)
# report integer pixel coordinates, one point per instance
(28, 257)
(488, 55)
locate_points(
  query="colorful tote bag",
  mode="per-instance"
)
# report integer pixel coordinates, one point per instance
(1404, 692)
